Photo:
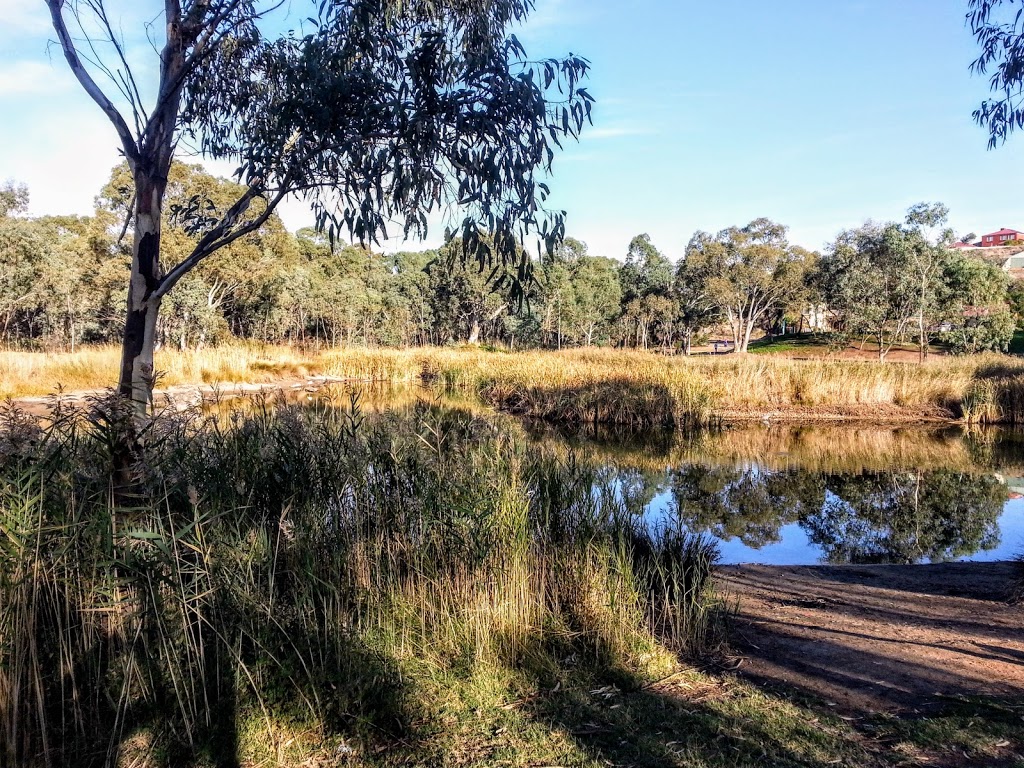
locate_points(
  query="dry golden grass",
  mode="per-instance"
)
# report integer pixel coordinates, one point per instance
(786, 446)
(27, 374)
(584, 386)
(610, 386)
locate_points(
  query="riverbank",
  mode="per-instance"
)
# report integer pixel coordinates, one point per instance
(626, 388)
(471, 598)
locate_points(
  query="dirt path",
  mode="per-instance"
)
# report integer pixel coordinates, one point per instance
(879, 638)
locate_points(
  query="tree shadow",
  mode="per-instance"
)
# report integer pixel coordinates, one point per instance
(651, 726)
(887, 646)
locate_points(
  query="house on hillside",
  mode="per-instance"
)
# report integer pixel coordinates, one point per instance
(1001, 237)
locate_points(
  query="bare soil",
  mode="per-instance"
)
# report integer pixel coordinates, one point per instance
(879, 637)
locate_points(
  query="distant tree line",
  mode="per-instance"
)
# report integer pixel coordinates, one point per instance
(61, 285)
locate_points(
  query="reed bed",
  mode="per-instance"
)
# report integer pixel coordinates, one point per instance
(620, 387)
(286, 585)
(641, 390)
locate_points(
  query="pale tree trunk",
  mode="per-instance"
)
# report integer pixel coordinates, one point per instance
(739, 324)
(139, 341)
(922, 339)
(746, 336)
(149, 155)
(734, 326)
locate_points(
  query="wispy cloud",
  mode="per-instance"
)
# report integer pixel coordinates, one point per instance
(552, 17)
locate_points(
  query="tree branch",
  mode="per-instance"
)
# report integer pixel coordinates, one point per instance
(128, 144)
(221, 236)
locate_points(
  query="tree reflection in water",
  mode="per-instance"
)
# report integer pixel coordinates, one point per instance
(865, 517)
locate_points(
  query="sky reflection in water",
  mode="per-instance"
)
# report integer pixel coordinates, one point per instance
(807, 495)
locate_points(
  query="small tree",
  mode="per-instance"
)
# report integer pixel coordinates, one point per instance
(754, 271)
(866, 280)
(596, 296)
(974, 296)
(646, 280)
(926, 249)
(697, 307)
(379, 111)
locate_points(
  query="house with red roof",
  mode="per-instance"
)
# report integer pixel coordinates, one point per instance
(1001, 237)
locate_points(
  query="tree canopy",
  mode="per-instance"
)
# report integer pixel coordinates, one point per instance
(377, 112)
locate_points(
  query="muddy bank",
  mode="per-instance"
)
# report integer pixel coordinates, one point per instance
(879, 637)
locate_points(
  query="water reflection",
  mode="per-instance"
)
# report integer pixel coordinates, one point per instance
(803, 495)
(907, 517)
(874, 516)
(791, 494)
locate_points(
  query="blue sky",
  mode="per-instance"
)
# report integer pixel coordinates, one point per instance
(819, 115)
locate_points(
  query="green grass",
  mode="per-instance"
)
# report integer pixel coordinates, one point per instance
(1017, 342)
(984, 731)
(593, 718)
(792, 342)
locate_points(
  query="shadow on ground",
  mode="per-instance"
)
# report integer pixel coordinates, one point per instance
(879, 638)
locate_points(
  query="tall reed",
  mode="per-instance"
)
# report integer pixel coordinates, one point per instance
(266, 583)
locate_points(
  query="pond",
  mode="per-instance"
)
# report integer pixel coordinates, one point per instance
(804, 495)
(792, 494)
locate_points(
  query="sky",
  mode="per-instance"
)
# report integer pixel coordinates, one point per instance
(818, 115)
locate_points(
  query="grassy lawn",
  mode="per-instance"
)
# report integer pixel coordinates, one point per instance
(794, 342)
(1017, 342)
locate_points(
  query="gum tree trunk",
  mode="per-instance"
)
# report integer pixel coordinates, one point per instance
(139, 341)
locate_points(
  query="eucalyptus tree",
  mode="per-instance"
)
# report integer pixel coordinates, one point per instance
(646, 280)
(697, 305)
(998, 27)
(13, 198)
(927, 251)
(465, 306)
(646, 271)
(24, 249)
(211, 297)
(867, 282)
(754, 270)
(596, 297)
(976, 313)
(375, 111)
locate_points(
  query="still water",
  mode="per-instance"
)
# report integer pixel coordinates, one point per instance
(788, 495)
(795, 494)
